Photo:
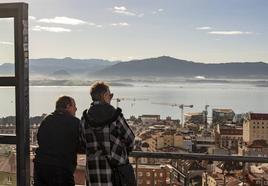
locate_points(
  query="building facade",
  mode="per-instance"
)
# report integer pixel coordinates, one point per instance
(255, 127)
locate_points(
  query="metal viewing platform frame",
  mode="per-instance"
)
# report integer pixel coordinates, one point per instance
(20, 81)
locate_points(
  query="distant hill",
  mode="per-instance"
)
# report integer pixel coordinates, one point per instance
(58, 67)
(171, 67)
(61, 74)
(48, 66)
(7, 69)
(163, 66)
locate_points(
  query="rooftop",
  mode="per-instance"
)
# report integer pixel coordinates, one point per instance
(222, 110)
(258, 116)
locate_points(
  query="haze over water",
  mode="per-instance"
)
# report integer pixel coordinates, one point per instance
(240, 97)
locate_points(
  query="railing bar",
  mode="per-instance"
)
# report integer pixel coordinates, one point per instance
(9, 139)
(137, 163)
(243, 172)
(199, 156)
(7, 81)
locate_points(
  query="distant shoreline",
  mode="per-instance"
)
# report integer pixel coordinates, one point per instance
(48, 82)
(70, 83)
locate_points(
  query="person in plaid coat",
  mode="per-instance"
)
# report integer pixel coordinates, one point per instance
(106, 136)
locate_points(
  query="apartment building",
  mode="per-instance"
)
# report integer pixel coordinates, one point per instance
(203, 143)
(183, 142)
(194, 117)
(222, 116)
(221, 180)
(258, 175)
(255, 127)
(149, 175)
(189, 172)
(256, 148)
(149, 119)
(229, 137)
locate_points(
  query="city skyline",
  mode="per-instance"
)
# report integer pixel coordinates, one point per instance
(209, 32)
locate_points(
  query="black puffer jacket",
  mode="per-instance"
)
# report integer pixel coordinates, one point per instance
(58, 140)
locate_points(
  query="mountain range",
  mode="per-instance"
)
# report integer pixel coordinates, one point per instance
(163, 66)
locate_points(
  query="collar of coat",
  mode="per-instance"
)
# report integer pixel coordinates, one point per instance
(101, 114)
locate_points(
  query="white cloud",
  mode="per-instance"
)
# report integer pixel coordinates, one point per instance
(99, 26)
(229, 33)
(5, 43)
(64, 20)
(91, 24)
(32, 18)
(123, 24)
(123, 10)
(204, 28)
(158, 11)
(50, 29)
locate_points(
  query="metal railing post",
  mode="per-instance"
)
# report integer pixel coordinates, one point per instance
(137, 163)
(243, 173)
(170, 178)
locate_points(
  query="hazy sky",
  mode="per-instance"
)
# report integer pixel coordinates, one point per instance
(198, 30)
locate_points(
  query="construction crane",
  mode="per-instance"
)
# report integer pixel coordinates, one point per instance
(206, 116)
(181, 106)
(128, 99)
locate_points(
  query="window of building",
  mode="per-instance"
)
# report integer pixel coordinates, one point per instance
(9, 180)
(148, 182)
(258, 182)
(148, 174)
(161, 174)
(140, 173)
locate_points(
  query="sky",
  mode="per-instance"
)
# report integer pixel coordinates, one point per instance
(209, 31)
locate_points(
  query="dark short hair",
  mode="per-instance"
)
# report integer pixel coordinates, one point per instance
(97, 89)
(63, 102)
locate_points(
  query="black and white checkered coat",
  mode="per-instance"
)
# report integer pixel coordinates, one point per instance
(106, 134)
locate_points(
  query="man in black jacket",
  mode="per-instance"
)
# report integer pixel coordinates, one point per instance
(58, 140)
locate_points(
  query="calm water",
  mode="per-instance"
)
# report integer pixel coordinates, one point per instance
(240, 97)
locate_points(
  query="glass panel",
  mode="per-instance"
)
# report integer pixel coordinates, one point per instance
(7, 54)
(8, 165)
(7, 110)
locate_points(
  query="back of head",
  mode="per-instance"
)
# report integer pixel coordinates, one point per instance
(98, 89)
(63, 102)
